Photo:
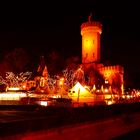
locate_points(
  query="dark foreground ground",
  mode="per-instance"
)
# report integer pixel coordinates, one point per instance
(26, 119)
(133, 135)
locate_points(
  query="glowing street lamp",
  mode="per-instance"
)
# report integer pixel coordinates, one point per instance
(106, 81)
(61, 83)
(106, 90)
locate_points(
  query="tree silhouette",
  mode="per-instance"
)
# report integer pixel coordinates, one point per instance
(94, 77)
(16, 60)
(55, 63)
(72, 63)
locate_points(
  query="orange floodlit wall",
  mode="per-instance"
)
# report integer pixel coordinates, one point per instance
(110, 71)
(90, 32)
(114, 76)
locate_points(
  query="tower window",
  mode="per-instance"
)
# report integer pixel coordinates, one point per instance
(93, 41)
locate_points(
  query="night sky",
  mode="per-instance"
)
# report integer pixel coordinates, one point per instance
(42, 27)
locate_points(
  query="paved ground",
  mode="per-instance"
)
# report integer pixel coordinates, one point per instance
(103, 129)
(28, 121)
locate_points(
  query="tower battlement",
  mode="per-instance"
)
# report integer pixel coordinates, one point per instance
(91, 26)
(116, 69)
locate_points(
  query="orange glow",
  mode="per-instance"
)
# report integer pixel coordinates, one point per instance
(108, 74)
(13, 88)
(45, 72)
(80, 93)
(123, 96)
(128, 96)
(106, 90)
(42, 82)
(102, 88)
(113, 75)
(90, 32)
(107, 96)
(61, 82)
(12, 96)
(24, 86)
(87, 88)
(94, 87)
(44, 103)
(106, 81)
(110, 102)
(98, 90)
(79, 86)
(138, 93)
(55, 96)
(122, 88)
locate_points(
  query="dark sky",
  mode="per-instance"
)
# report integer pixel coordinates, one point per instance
(41, 27)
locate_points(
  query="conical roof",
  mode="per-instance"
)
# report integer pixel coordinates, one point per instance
(41, 65)
(45, 72)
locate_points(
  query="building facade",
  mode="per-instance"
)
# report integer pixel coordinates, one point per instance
(98, 73)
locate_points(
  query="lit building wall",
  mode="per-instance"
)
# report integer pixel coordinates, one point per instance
(114, 76)
(94, 70)
(90, 32)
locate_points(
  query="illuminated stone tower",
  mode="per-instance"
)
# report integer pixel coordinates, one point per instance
(90, 32)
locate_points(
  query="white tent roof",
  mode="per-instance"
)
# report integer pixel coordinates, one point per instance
(79, 88)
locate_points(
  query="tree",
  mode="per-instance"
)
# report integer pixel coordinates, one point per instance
(116, 82)
(14, 80)
(55, 63)
(72, 63)
(17, 60)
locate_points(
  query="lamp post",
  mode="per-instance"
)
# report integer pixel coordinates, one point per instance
(61, 82)
(78, 96)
